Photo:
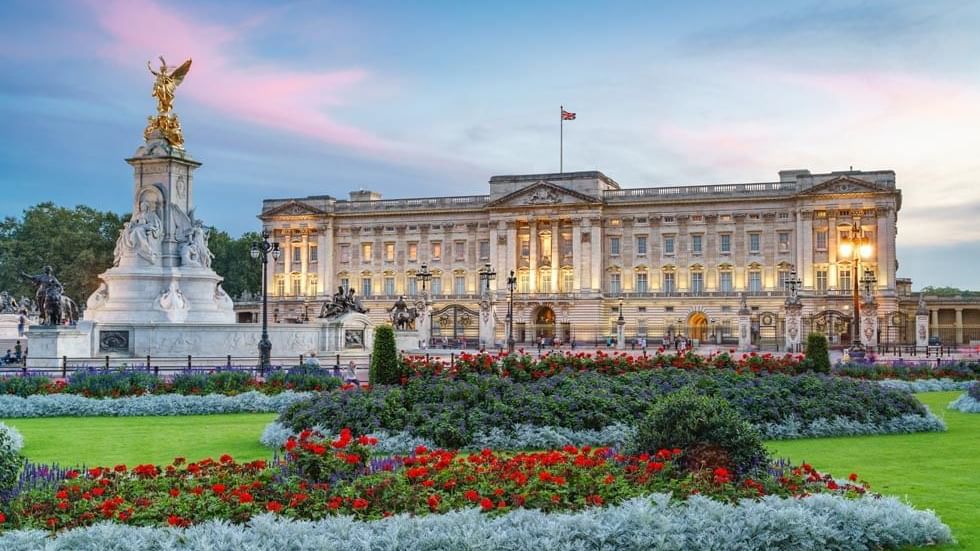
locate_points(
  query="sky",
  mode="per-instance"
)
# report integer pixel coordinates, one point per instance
(297, 98)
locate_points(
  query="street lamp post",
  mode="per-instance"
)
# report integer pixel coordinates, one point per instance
(856, 247)
(511, 283)
(487, 274)
(423, 275)
(262, 249)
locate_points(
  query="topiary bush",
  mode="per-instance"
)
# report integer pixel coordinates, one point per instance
(384, 360)
(817, 353)
(707, 428)
(11, 460)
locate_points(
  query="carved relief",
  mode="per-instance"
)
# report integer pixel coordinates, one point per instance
(173, 303)
(543, 196)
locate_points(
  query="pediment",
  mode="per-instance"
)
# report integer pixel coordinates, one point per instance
(293, 208)
(542, 193)
(844, 184)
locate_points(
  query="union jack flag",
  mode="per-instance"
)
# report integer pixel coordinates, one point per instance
(566, 116)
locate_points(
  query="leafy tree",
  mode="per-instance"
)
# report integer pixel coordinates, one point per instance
(949, 292)
(384, 360)
(78, 243)
(233, 262)
(817, 353)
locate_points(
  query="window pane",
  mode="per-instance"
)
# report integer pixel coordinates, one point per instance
(413, 252)
(668, 245)
(696, 244)
(436, 250)
(613, 245)
(366, 287)
(412, 286)
(614, 283)
(697, 282)
(726, 243)
(641, 283)
(641, 245)
(437, 285)
(484, 250)
(313, 253)
(668, 282)
(459, 285)
(725, 282)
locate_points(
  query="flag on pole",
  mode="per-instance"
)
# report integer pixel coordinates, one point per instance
(566, 116)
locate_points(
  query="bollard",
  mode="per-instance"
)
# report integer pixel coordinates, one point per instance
(64, 366)
(300, 359)
(107, 362)
(228, 361)
(188, 362)
(148, 362)
(452, 360)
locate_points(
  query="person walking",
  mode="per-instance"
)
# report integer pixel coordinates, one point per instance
(18, 352)
(352, 373)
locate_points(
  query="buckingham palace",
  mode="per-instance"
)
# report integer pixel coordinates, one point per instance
(587, 253)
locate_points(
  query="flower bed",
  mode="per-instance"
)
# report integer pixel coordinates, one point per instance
(969, 401)
(525, 367)
(122, 383)
(546, 496)
(452, 411)
(960, 370)
(71, 405)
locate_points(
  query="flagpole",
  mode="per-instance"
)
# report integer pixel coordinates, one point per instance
(561, 139)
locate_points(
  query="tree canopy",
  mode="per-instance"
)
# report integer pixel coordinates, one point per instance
(78, 244)
(949, 292)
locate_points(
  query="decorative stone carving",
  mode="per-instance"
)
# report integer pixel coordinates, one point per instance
(55, 307)
(7, 303)
(402, 316)
(114, 341)
(342, 302)
(173, 303)
(544, 196)
(99, 297)
(194, 249)
(142, 234)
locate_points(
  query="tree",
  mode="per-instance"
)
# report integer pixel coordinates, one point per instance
(817, 353)
(78, 243)
(949, 292)
(233, 262)
(384, 359)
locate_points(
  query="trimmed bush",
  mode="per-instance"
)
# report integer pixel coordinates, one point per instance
(72, 405)
(384, 359)
(710, 431)
(824, 522)
(969, 401)
(817, 352)
(11, 442)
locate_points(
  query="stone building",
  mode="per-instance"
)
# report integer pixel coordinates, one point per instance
(677, 258)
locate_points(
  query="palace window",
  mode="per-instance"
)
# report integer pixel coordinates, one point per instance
(755, 281)
(389, 286)
(525, 247)
(460, 249)
(436, 285)
(725, 281)
(459, 285)
(669, 245)
(413, 252)
(545, 281)
(614, 246)
(641, 282)
(697, 283)
(615, 283)
(821, 244)
(783, 279)
(696, 244)
(411, 285)
(484, 250)
(313, 253)
(345, 253)
(365, 286)
(389, 252)
(783, 238)
(523, 283)
(669, 285)
(725, 243)
(844, 277)
(821, 280)
(297, 254)
(281, 287)
(436, 250)
(641, 244)
(755, 242)
(568, 281)
(345, 283)
(366, 252)
(312, 287)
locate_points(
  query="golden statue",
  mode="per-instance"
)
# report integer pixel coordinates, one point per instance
(166, 83)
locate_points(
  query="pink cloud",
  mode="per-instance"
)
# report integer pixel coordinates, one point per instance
(222, 77)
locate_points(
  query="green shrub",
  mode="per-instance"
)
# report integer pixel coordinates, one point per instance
(112, 384)
(817, 353)
(707, 428)
(384, 360)
(221, 382)
(301, 378)
(11, 460)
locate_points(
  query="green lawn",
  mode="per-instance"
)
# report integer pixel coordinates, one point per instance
(938, 471)
(134, 440)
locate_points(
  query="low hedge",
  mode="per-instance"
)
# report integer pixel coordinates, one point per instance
(969, 401)
(71, 405)
(451, 411)
(961, 370)
(820, 522)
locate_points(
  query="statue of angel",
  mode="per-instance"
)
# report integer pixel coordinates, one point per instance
(166, 84)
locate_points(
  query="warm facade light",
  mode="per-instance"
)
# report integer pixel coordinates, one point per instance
(846, 248)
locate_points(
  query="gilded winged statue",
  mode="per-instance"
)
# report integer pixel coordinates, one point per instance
(164, 87)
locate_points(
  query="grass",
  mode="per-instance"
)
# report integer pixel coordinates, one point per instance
(937, 471)
(134, 440)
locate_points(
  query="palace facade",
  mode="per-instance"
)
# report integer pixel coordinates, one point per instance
(676, 258)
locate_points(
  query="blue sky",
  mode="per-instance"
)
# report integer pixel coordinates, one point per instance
(432, 98)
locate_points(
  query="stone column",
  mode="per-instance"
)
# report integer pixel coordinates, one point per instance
(621, 333)
(794, 326)
(576, 258)
(304, 263)
(325, 258)
(533, 264)
(744, 326)
(597, 251)
(511, 255)
(935, 320)
(869, 325)
(493, 260)
(488, 322)
(882, 252)
(959, 326)
(921, 330)
(555, 258)
(271, 267)
(805, 269)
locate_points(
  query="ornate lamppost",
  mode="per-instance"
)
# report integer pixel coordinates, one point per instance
(856, 247)
(423, 276)
(488, 325)
(262, 249)
(486, 276)
(511, 283)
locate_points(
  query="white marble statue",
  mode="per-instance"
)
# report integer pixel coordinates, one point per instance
(173, 303)
(99, 297)
(143, 233)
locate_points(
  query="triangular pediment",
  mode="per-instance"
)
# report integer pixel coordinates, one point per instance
(293, 208)
(844, 184)
(542, 194)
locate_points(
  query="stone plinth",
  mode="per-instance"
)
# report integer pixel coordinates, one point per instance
(488, 324)
(744, 332)
(47, 345)
(794, 327)
(351, 332)
(620, 335)
(921, 330)
(869, 326)
(406, 340)
(8, 327)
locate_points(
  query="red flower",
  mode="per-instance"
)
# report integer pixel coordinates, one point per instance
(853, 477)
(433, 501)
(273, 506)
(98, 491)
(471, 495)
(198, 490)
(245, 497)
(120, 468)
(421, 450)
(226, 459)
(173, 520)
(360, 503)
(290, 444)
(174, 492)
(218, 488)
(3, 518)
(61, 495)
(71, 475)
(486, 503)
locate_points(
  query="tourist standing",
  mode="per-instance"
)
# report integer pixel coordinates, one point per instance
(18, 353)
(312, 360)
(352, 373)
